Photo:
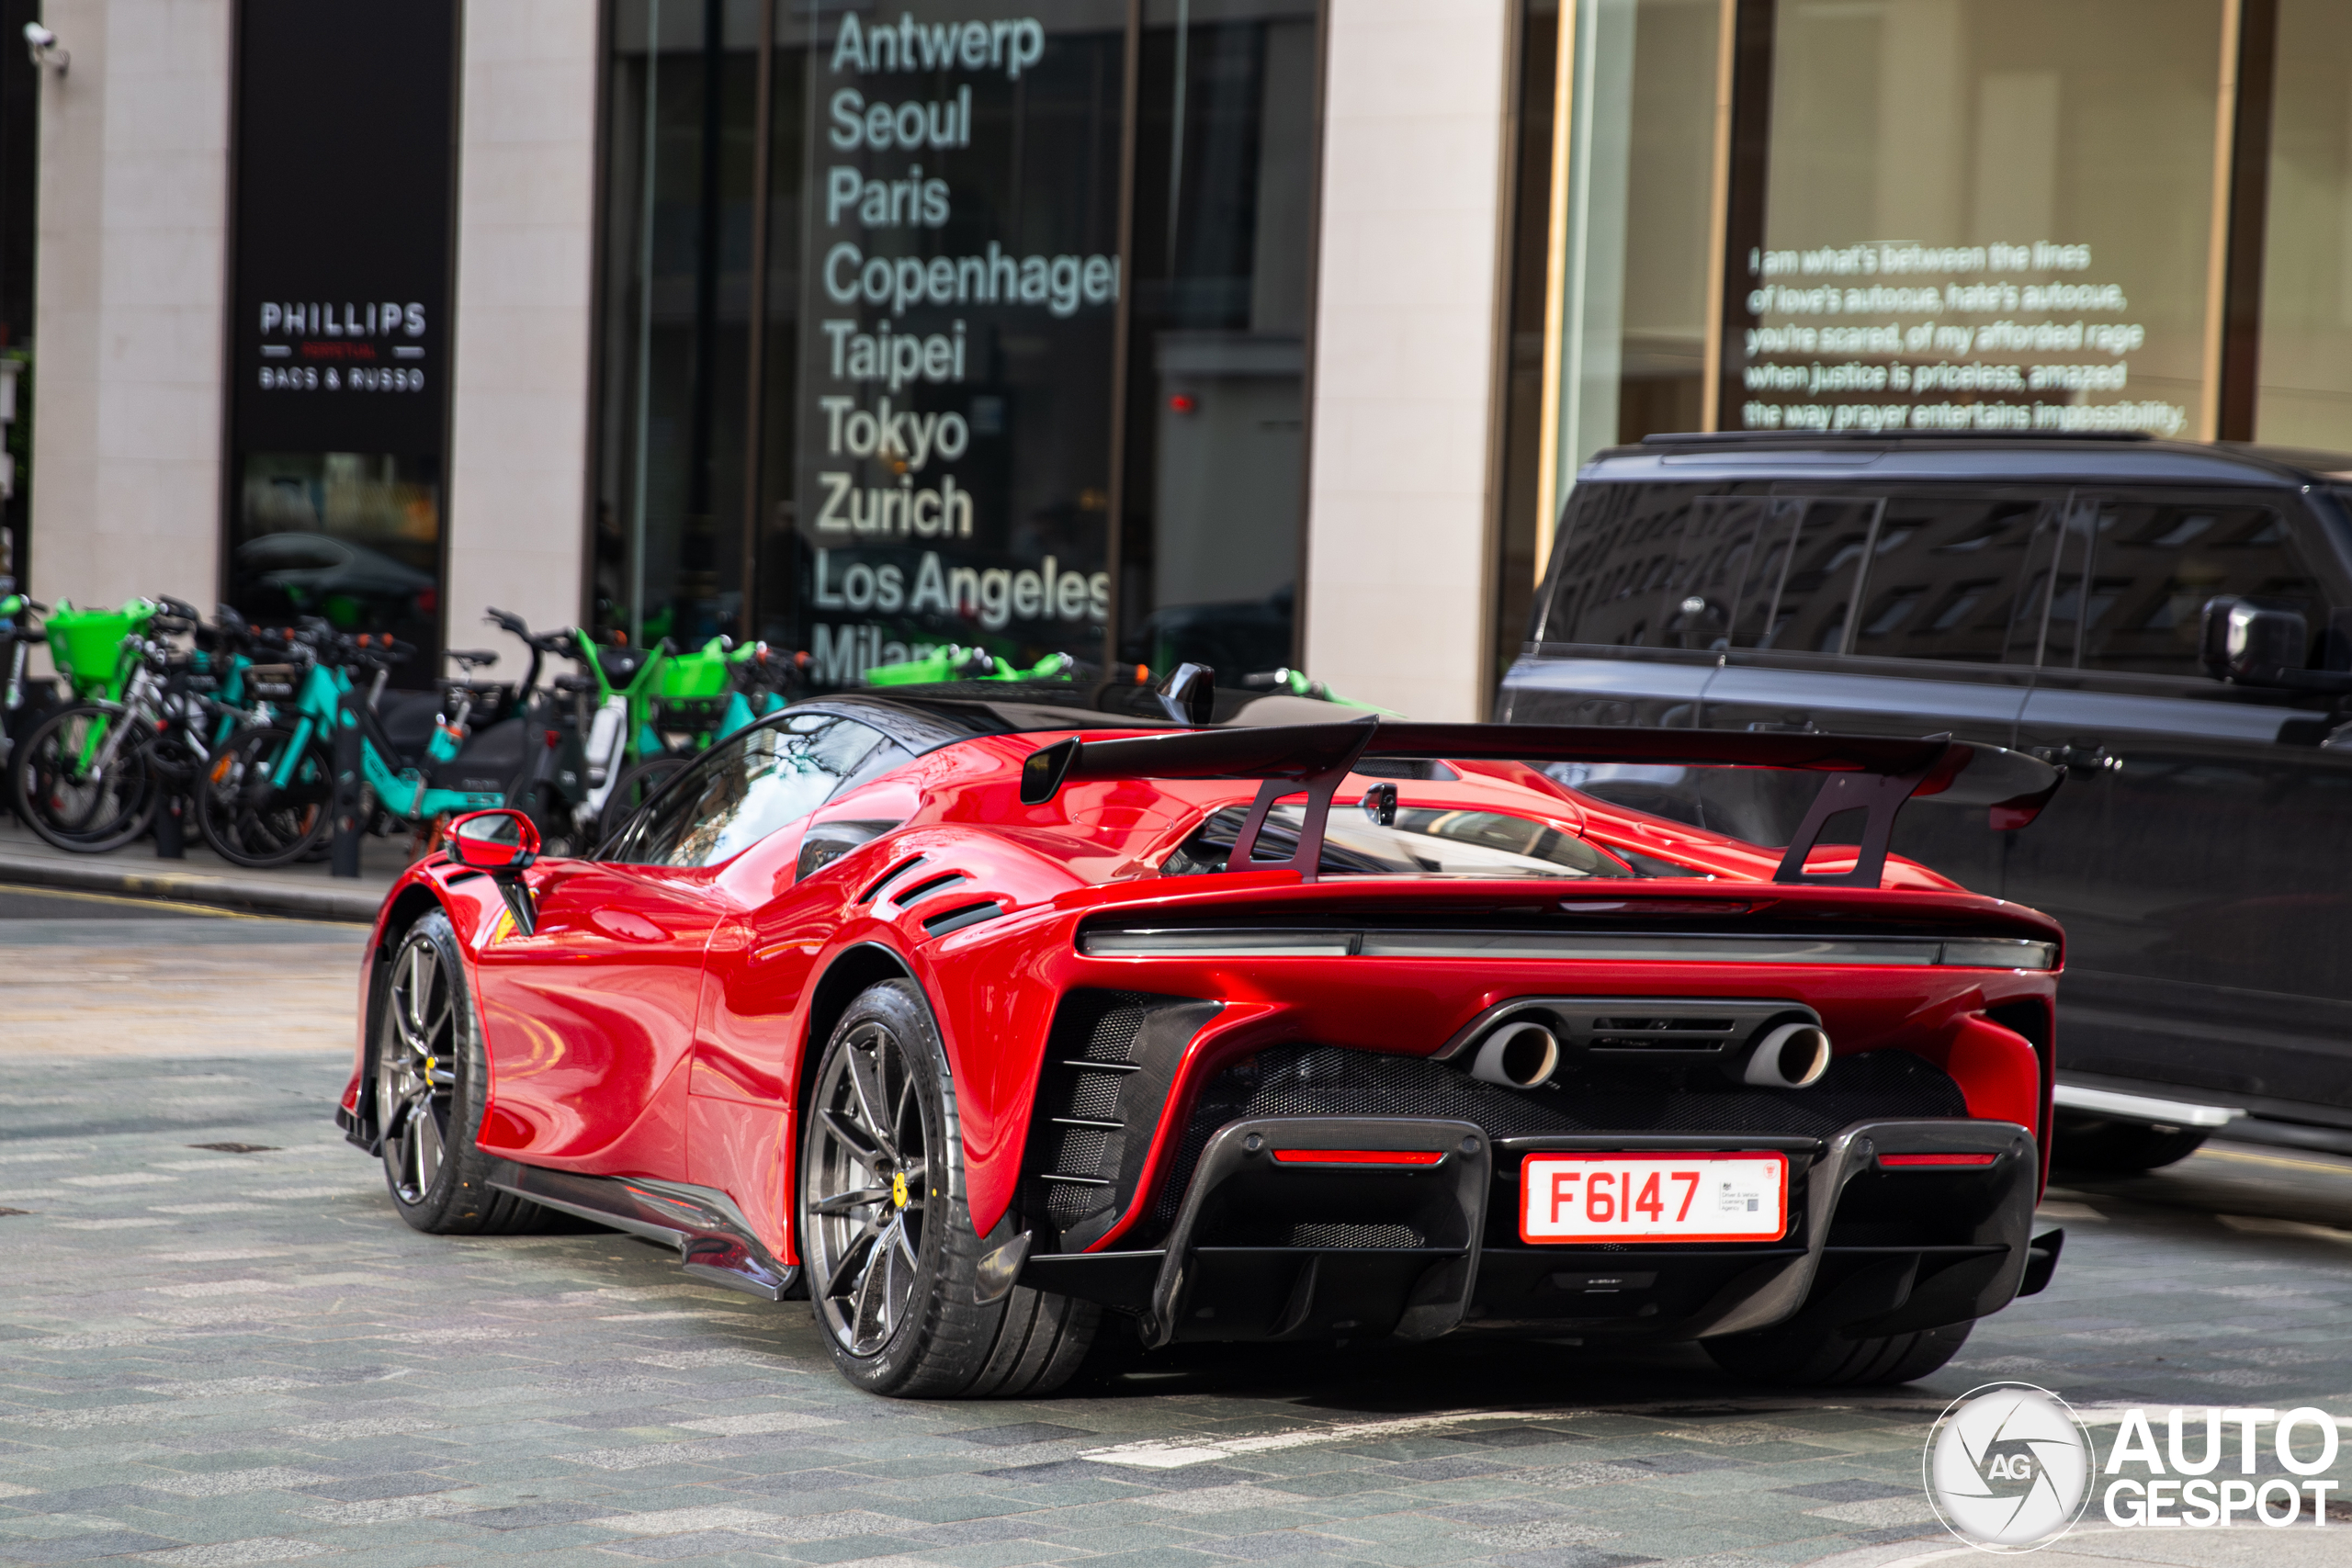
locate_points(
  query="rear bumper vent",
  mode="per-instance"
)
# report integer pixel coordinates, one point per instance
(1109, 1065)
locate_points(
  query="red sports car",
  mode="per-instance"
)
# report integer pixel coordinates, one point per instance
(996, 1027)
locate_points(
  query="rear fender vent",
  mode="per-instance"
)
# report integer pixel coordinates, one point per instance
(927, 887)
(956, 920)
(1110, 1062)
(897, 871)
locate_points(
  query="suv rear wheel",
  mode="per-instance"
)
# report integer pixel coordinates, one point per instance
(2120, 1148)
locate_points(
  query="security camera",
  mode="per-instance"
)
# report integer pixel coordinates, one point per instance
(40, 45)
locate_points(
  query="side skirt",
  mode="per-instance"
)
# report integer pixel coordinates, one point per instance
(713, 1238)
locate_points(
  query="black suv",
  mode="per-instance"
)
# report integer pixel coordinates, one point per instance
(2172, 623)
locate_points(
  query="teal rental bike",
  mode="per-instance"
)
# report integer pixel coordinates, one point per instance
(267, 797)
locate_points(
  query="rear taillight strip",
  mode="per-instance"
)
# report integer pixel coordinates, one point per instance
(1911, 1160)
(1619, 947)
(1358, 1157)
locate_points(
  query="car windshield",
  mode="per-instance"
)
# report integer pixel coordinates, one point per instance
(1424, 842)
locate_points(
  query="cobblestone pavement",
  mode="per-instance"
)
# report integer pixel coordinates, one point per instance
(219, 1345)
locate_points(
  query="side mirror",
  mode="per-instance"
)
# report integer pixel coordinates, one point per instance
(2252, 643)
(495, 840)
(503, 843)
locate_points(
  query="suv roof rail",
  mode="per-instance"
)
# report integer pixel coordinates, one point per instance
(1808, 437)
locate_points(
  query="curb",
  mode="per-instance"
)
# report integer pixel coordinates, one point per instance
(249, 897)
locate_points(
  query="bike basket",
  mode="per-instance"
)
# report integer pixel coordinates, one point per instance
(695, 716)
(273, 682)
(699, 674)
(87, 644)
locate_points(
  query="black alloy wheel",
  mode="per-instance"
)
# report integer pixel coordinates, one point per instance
(872, 1154)
(416, 1069)
(429, 1073)
(885, 1225)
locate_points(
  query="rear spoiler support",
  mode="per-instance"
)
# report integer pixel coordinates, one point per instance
(1873, 774)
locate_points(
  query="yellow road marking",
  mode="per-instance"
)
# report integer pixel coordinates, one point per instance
(2274, 1159)
(200, 911)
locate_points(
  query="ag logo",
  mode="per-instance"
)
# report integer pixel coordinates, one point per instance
(2009, 1467)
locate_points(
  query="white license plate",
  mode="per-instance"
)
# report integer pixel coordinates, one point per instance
(1622, 1198)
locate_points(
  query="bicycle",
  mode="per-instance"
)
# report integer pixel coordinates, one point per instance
(266, 797)
(22, 702)
(91, 776)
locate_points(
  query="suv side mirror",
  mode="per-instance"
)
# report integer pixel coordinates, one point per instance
(2253, 643)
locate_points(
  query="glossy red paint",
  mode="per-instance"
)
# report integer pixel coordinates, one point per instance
(660, 1022)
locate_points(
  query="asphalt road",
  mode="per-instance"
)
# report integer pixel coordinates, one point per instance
(219, 1345)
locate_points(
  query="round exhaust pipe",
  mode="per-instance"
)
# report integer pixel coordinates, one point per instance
(1517, 1054)
(1794, 1055)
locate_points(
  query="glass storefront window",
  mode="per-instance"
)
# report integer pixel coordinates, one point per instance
(2304, 392)
(960, 284)
(353, 537)
(1634, 269)
(858, 343)
(1609, 310)
(1216, 438)
(1982, 214)
(679, 150)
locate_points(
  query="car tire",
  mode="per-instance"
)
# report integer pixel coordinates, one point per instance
(430, 1075)
(1817, 1360)
(892, 1262)
(2098, 1147)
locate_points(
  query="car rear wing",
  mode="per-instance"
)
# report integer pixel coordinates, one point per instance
(1873, 774)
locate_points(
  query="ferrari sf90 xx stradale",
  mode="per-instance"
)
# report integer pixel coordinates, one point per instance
(995, 1027)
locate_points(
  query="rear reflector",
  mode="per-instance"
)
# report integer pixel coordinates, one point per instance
(1358, 1157)
(1937, 1159)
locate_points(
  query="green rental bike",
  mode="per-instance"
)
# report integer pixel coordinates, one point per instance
(91, 775)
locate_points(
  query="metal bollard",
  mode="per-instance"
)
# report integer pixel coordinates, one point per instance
(343, 859)
(171, 838)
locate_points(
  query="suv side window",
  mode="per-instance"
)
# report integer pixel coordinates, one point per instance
(1803, 571)
(2135, 606)
(1944, 578)
(745, 788)
(1669, 566)
(1617, 550)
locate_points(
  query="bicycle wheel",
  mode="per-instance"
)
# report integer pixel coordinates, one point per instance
(71, 798)
(633, 789)
(246, 817)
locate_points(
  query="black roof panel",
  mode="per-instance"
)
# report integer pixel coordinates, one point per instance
(1984, 458)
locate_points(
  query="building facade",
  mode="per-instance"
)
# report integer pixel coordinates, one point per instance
(1253, 332)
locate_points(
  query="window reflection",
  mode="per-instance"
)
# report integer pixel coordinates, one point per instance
(745, 789)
